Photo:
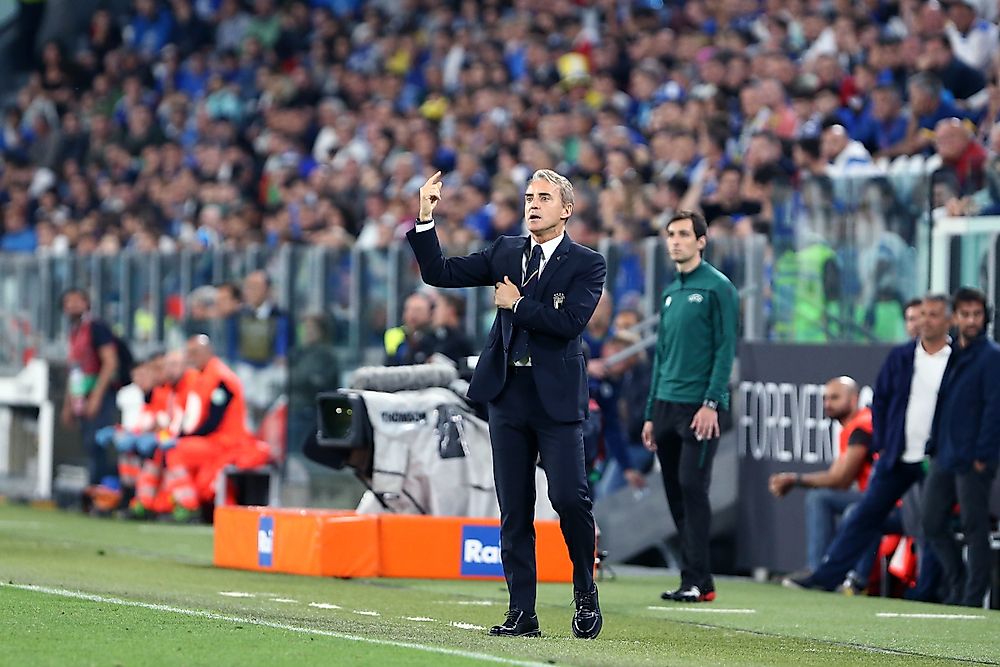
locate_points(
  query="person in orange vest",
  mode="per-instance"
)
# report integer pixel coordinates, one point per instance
(833, 490)
(214, 432)
(151, 497)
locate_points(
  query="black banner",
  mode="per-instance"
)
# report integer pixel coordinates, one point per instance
(780, 426)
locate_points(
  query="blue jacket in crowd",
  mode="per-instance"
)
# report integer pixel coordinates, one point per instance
(967, 419)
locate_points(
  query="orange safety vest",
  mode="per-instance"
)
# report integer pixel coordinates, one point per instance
(153, 411)
(862, 420)
(206, 390)
(179, 393)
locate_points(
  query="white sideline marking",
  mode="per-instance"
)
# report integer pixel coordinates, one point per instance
(466, 626)
(324, 605)
(419, 619)
(485, 657)
(960, 617)
(11, 523)
(365, 612)
(286, 600)
(174, 529)
(236, 594)
(465, 603)
(705, 610)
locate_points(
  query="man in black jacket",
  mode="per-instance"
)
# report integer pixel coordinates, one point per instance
(964, 448)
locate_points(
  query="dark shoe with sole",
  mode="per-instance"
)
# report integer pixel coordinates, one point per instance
(688, 594)
(517, 624)
(587, 621)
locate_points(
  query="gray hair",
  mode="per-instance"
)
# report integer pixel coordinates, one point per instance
(202, 296)
(935, 297)
(930, 83)
(558, 180)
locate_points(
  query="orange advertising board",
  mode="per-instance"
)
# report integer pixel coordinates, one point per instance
(335, 543)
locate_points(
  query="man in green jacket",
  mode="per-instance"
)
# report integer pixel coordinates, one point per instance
(695, 347)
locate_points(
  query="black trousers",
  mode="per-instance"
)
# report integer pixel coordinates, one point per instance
(966, 583)
(520, 433)
(686, 463)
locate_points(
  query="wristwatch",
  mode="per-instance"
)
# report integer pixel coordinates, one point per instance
(710, 404)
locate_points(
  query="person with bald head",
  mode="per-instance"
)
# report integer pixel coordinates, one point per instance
(903, 405)
(842, 153)
(213, 432)
(961, 154)
(835, 489)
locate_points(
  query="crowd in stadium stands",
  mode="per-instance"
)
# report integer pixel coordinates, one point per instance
(200, 123)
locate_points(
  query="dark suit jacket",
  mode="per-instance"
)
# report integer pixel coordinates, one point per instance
(574, 272)
(889, 402)
(967, 420)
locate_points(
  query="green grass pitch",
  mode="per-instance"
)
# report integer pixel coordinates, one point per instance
(82, 591)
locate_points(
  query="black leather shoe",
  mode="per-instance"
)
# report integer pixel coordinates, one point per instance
(517, 624)
(587, 621)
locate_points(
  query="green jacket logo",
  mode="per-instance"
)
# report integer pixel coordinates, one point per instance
(695, 298)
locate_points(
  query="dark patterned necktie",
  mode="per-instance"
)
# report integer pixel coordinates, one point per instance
(519, 342)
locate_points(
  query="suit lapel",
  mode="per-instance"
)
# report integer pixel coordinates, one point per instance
(553, 264)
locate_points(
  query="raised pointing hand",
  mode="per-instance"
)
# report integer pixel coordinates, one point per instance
(430, 195)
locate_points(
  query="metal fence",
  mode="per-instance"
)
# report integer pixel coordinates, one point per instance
(361, 292)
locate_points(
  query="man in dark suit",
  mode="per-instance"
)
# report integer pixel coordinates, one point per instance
(532, 376)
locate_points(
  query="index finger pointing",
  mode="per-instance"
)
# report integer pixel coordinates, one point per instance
(434, 179)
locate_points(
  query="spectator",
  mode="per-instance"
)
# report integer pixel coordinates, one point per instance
(843, 154)
(619, 389)
(974, 40)
(961, 80)
(890, 121)
(201, 311)
(728, 200)
(413, 342)
(149, 28)
(927, 108)
(313, 367)
(626, 319)
(448, 321)
(599, 325)
(913, 317)
(960, 153)
(228, 300)
(260, 337)
(17, 235)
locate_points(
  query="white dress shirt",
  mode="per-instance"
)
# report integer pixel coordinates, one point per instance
(928, 369)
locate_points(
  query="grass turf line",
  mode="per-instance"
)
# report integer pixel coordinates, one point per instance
(160, 565)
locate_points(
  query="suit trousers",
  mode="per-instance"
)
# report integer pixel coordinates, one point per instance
(521, 434)
(967, 583)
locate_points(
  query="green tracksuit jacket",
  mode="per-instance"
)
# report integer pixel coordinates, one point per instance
(696, 342)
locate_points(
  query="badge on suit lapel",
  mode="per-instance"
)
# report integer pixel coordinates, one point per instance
(557, 300)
